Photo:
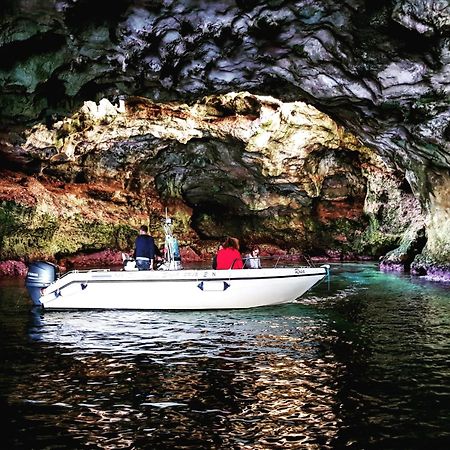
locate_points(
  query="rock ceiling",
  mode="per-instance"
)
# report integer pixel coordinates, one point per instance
(316, 125)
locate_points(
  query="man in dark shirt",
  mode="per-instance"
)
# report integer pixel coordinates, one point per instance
(144, 249)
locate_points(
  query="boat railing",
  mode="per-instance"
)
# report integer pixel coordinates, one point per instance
(83, 271)
(294, 259)
(274, 261)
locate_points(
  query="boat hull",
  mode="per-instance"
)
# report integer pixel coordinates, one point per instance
(180, 290)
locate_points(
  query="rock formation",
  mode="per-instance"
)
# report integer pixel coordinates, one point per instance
(314, 126)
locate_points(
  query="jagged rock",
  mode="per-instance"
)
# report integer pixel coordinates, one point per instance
(378, 73)
(412, 243)
(280, 173)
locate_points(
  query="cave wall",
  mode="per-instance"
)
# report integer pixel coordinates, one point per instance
(379, 71)
(281, 174)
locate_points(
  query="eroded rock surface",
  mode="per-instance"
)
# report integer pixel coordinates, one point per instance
(360, 164)
(275, 173)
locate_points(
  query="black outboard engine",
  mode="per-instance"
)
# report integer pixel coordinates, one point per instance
(40, 275)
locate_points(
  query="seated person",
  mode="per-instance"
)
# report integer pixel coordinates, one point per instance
(229, 256)
(252, 260)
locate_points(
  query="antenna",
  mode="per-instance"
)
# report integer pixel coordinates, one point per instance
(168, 219)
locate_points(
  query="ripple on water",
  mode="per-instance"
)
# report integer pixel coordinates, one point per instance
(361, 363)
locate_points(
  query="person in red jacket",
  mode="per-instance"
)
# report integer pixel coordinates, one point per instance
(229, 256)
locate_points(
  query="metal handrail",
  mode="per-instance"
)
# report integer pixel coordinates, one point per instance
(279, 259)
(83, 271)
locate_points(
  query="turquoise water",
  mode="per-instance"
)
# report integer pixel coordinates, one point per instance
(361, 363)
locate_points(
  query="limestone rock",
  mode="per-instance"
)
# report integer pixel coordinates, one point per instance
(348, 117)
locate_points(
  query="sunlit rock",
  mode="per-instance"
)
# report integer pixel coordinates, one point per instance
(342, 142)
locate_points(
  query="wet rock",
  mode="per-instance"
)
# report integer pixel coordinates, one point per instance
(363, 152)
(13, 268)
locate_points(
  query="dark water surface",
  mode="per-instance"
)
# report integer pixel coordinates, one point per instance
(364, 365)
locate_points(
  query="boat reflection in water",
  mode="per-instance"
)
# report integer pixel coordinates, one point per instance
(202, 378)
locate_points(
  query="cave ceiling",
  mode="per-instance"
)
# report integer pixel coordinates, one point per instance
(380, 68)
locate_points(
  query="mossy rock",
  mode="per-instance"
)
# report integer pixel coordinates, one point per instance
(26, 233)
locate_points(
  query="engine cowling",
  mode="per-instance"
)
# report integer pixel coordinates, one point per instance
(40, 274)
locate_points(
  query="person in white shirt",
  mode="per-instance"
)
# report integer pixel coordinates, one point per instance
(252, 260)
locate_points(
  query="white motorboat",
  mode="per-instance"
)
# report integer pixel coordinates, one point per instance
(170, 288)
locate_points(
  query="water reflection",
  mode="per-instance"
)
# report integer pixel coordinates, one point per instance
(213, 379)
(362, 365)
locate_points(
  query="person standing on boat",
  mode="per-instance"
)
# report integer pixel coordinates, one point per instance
(252, 260)
(229, 257)
(144, 249)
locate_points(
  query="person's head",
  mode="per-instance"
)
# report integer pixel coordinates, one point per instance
(231, 243)
(143, 229)
(255, 251)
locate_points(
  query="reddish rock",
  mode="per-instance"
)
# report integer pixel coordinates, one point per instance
(105, 258)
(189, 255)
(13, 268)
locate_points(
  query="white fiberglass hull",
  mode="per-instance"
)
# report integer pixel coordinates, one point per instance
(180, 290)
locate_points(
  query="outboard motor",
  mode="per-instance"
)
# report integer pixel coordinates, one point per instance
(40, 274)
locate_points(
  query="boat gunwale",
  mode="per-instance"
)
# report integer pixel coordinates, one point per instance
(184, 280)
